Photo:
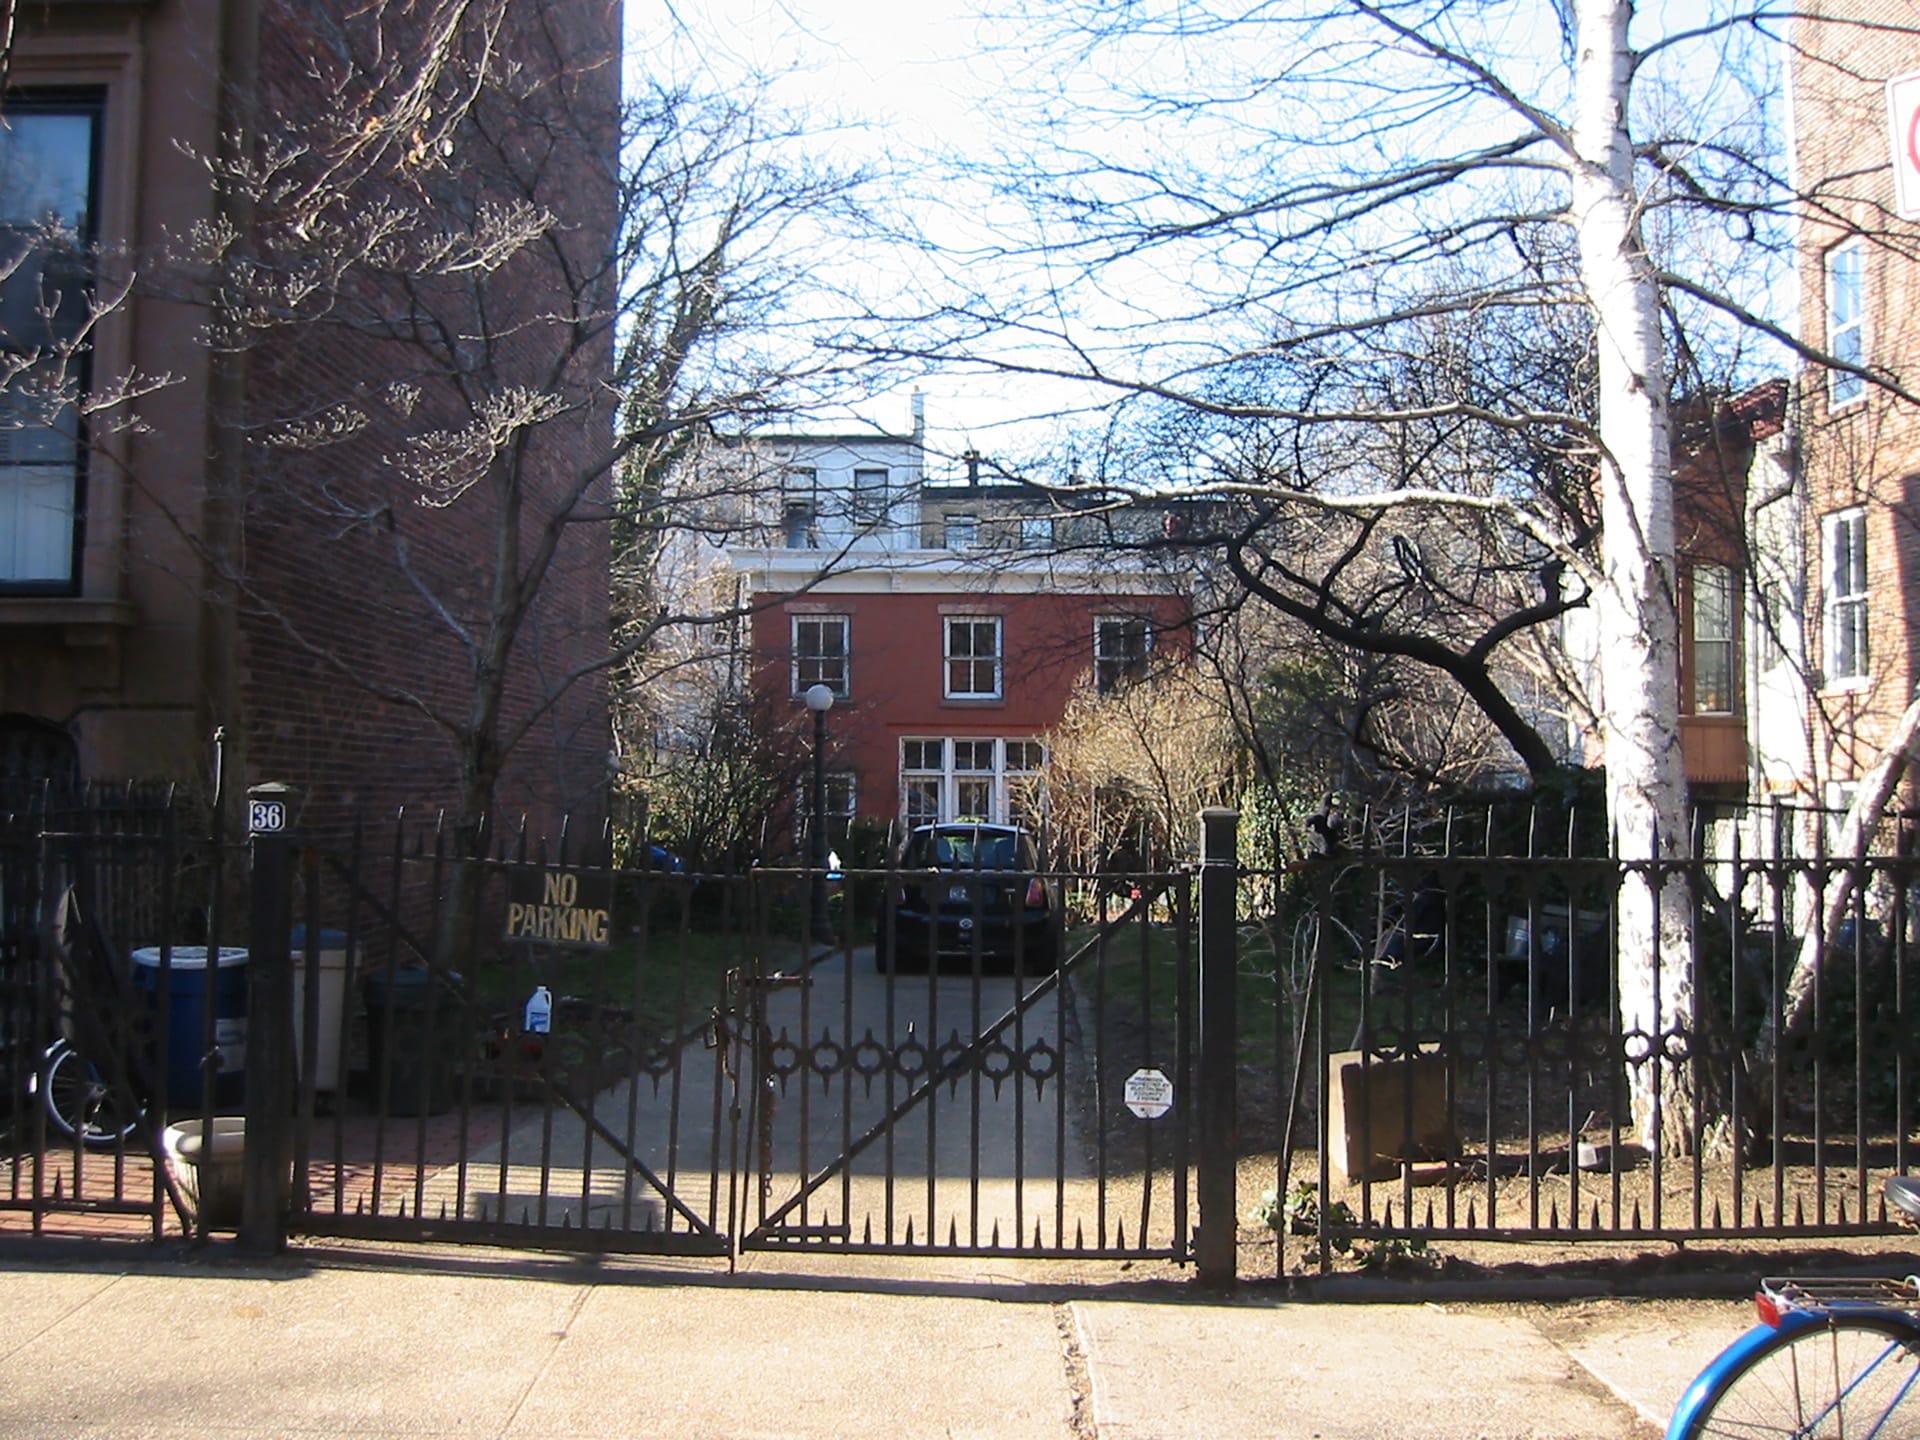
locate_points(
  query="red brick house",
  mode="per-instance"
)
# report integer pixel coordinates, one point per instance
(952, 622)
(252, 545)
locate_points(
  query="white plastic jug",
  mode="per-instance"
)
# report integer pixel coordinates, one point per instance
(539, 1017)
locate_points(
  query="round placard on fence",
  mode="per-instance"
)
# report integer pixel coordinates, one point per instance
(1149, 1094)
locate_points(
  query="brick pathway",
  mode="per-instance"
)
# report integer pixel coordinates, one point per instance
(357, 1166)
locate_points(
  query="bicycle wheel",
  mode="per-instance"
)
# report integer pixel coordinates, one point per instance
(1851, 1378)
(81, 1103)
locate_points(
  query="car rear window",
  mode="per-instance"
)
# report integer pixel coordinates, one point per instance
(971, 849)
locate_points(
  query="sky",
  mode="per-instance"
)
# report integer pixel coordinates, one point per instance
(900, 79)
(921, 76)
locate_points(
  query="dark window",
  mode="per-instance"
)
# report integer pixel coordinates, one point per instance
(1120, 647)
(820, 653)
(973, 657)
(48, 159)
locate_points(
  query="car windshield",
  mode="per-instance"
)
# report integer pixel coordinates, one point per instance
(975, 849)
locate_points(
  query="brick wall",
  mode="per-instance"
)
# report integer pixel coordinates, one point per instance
(1865, 453)
(369, 600)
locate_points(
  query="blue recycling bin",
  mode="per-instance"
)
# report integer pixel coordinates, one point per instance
(185, 1022)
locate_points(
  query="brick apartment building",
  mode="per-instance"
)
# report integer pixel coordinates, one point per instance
(954, 618)
(277, 539)
(1854, 534)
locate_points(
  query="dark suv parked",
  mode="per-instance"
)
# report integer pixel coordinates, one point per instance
(963, 889)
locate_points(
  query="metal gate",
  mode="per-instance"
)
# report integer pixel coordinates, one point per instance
(983, 1112)
(714, 1079)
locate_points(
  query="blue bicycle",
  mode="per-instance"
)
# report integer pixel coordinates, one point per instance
(1833, 1359)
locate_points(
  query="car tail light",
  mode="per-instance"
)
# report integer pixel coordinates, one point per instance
(1036, 894)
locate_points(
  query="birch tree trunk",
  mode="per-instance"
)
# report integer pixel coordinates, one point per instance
(1635, 610)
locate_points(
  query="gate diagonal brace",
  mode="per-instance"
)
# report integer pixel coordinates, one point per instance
(619, 1147)
(954, 1062)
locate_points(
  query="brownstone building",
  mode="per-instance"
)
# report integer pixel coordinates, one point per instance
(305, 326)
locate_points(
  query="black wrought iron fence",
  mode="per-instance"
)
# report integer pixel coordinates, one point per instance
(1449, 1058)
(1421, 1039)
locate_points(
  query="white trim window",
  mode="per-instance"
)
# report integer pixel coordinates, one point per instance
(1036, 532)
(970, 777)
(1843, 538)
(923, 769)
(48, 149)
(973, 657)
(960, 532)
(1846, 319)
(1024, 766)
(823, 653)
(1121, 645)
(1713, 639)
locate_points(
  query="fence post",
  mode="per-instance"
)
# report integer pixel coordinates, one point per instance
(268, 1153)
(1217, 1244)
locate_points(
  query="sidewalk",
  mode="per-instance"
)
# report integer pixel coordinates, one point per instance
(366, 1341)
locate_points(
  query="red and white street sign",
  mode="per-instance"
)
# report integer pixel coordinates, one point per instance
(1903, 126)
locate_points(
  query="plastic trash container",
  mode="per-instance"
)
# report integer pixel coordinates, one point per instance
(330, 1004)
(186, 1019)
(415, 1027)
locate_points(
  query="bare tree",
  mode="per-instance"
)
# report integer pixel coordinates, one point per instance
(1128, 769)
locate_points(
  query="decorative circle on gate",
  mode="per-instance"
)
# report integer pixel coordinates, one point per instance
(783, 1056)
(658, 1061)
(910, 1059)
(1636, 1046)
(996, 1062)
(827, 1058)
(1041, 1062)
(869, 1058)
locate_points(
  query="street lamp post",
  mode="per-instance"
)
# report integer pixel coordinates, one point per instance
(819, 700)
